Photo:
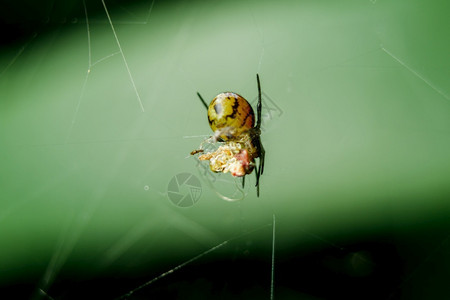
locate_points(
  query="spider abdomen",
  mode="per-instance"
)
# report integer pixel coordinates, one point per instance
(231, 114)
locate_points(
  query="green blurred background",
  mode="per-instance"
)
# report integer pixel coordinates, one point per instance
(356, 132)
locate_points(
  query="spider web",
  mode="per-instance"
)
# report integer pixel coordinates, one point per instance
(95, 207)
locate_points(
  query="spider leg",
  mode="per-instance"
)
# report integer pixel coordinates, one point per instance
(261, 158)
(257, 183)
(260, 169)
(259, 106)
(203, 101)
(243, 181)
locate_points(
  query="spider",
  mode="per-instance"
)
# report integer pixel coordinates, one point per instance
(232, 119)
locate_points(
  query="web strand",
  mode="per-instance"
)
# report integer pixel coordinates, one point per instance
(416, 73)
(187, 262)
(173, 270)
(18, 54)
(86, 77)
(272, 273)
(123, 56)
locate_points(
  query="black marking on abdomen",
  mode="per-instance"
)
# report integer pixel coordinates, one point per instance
(235, 108)
(245, 119)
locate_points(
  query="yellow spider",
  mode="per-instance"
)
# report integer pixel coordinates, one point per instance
(232, 119)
